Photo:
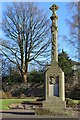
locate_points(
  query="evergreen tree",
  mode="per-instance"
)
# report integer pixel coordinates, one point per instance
(65, 64)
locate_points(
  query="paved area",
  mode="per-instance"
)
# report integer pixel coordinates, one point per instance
(13, 116)
(29, 115)
(18, 111)
(32, 117)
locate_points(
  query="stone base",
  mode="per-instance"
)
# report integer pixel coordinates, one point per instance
(54, 103)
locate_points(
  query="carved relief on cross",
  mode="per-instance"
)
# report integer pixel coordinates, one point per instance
(54, 17)
(54, 30)
(54, 7)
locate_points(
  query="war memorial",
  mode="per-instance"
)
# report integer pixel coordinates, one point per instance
(54, 76)
(54, 82)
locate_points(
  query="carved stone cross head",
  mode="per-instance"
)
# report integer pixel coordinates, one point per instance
(54, 7)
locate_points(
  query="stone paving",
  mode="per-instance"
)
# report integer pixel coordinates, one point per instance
(30, 114)
(5, 115)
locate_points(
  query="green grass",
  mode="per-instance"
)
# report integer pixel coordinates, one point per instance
(76, 101)
(4, 103)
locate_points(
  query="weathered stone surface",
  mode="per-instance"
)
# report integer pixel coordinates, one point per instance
(54, 103)
(54, 76)
(54, 71)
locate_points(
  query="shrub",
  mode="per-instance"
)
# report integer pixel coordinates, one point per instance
(15, 92)
(2, 94)
(19, 89)
(70, 103)
(75, 94)
(36, 76)
(11, 79)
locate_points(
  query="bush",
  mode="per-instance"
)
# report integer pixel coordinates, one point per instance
(75, 94)
(70, 103)
(11, 79)
(15, 92)
(19, 89)
(2, 94)
(36, 76)
(9, 82)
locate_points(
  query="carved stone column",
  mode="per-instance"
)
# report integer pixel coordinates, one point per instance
(54, 31)
(54, 76)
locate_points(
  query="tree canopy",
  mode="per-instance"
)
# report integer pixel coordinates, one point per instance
(28, 37)
(73, 23)
(65, 63)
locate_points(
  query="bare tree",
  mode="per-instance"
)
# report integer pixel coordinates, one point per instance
(74, 25)
(27, 29)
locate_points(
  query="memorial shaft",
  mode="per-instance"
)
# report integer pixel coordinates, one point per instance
(54, 32)
(54, 76)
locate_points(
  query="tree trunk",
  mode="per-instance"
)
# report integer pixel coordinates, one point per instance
(25, 75)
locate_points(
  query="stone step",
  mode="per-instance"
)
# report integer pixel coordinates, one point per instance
(33, 103)
(18, 111)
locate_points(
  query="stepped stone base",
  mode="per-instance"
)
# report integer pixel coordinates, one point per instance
(58, 107)
(53, 103)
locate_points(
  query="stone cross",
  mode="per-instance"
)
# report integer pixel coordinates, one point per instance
(54, 7)
(54, 30)
(54, 76)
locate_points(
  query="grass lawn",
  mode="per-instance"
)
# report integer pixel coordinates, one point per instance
(4, 103)
(76, 101)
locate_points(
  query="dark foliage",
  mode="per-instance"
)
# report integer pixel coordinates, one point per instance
(66, 65)
(75, 92)
(71, 84)
(36, 76)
